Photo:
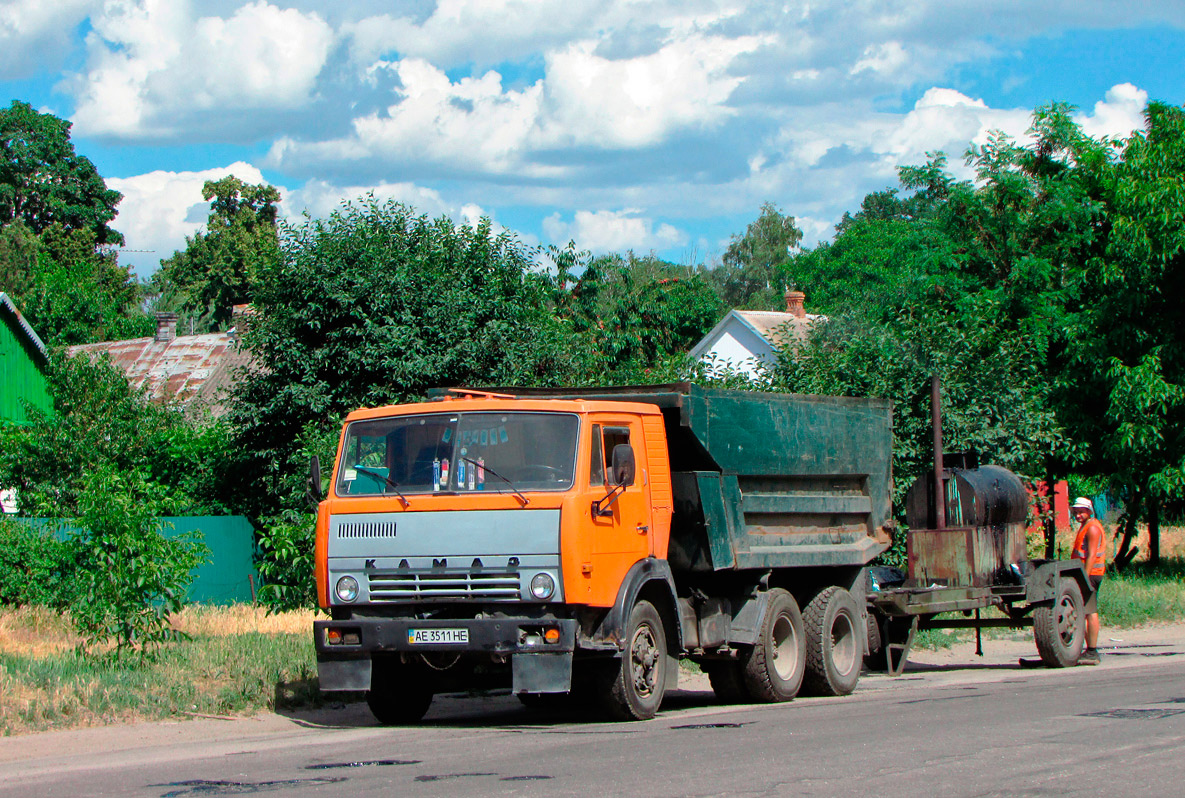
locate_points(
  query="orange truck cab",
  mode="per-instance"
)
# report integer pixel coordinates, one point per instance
(525, 540)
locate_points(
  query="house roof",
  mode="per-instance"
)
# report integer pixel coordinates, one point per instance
(190, 369)
(769, 325)
(766, 323)
(8, 309)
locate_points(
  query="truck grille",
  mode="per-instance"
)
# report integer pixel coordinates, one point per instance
(373, 529)
(443, 586)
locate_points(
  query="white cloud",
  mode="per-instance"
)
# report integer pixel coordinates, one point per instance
(319, 199)
(601, 102)
(159, 209)
(153, 65)
(472, 123)
(612, 231)
(35, 32)
(886, 58)
(1118, 114)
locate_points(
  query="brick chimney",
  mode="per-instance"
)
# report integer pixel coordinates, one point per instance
(794, 300)
(166, 327)
(240, 318)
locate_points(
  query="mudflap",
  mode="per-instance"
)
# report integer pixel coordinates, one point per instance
(343, 674)
(549, 672)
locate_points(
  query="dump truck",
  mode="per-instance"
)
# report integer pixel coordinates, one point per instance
(578, 543)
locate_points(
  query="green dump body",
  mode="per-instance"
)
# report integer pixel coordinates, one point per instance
(767, 480)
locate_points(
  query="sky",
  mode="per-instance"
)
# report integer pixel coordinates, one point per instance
(618, 124)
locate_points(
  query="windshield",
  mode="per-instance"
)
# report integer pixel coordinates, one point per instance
(458, 452)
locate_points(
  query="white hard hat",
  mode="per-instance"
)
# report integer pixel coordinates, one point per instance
(1082, 503)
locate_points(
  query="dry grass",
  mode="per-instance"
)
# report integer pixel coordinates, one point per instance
(239, 618)
(1172, 542)
(38, 632)
(238, 660)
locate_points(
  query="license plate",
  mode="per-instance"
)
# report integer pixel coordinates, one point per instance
(419, 637)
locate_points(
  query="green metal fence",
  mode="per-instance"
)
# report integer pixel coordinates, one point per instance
(227, 578)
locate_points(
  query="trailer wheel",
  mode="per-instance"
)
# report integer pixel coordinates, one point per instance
(634, 684)
(728, 681)
(775, 665)
(833, 645)
(1060, 629)
(399, 694)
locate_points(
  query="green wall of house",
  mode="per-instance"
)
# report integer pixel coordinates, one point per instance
(22, 376)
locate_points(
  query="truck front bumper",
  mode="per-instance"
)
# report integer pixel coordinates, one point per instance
(537, 666)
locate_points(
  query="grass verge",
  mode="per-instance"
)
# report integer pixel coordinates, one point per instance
(238, 661)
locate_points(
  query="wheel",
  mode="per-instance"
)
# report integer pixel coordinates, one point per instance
(774, 667)
(874, 656)
(399, 694)
(634, 684)
(728, 681)
(1060, 629)
(833, 647)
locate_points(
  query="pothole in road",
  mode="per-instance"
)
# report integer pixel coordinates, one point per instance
(368, 764)
(712, 725)
(203, 787)
(1134, 714)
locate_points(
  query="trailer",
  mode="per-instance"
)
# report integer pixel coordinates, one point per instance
(579, 542)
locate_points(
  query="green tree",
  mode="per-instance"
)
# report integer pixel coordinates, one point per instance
(377, 305)
(1122, 385)
(43, 181)
(635, 315)
(219, 266)
(101, 425)
(750, 274)
(71, 290)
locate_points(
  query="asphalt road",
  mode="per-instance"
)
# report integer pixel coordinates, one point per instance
(991, 728)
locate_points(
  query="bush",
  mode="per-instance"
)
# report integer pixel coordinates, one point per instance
(286, 562)
(36, 567)
(132, 577)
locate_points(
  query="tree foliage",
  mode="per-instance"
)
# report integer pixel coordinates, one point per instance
(634, 315)
(751, 274)
(376, 305)
(218, 267)
(43, 181)
(101, 425)
(70, 290)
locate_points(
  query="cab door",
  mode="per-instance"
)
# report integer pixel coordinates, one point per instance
(621, 531)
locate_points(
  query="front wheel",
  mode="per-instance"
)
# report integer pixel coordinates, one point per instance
(833, 645)
(399, 693)
(634, 684)
(1059, 630)
(775, 665)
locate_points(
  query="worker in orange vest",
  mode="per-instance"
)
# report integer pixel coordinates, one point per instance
(1088, 547)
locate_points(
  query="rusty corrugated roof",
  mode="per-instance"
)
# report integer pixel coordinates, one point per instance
(194, 370)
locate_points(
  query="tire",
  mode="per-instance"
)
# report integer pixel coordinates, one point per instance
(1060, 629)
(774, 668)
(399, 694)
(633, 685)
(874, 656)
(728, 681)
(834, 647)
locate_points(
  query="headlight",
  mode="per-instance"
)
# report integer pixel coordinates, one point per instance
(347, 588)
(542, 586)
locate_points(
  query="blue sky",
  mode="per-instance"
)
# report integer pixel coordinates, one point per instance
(652, 126)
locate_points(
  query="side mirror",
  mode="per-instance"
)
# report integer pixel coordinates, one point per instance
(622, 466)
(313, 489)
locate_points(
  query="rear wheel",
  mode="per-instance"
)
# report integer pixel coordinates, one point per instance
(1060, 629)
(399, 694)
(833, 643)
(775, 666)
(728, 681)
(634, 684)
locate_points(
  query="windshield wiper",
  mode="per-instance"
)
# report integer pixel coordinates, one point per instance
(394, 485)
(492, 472)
